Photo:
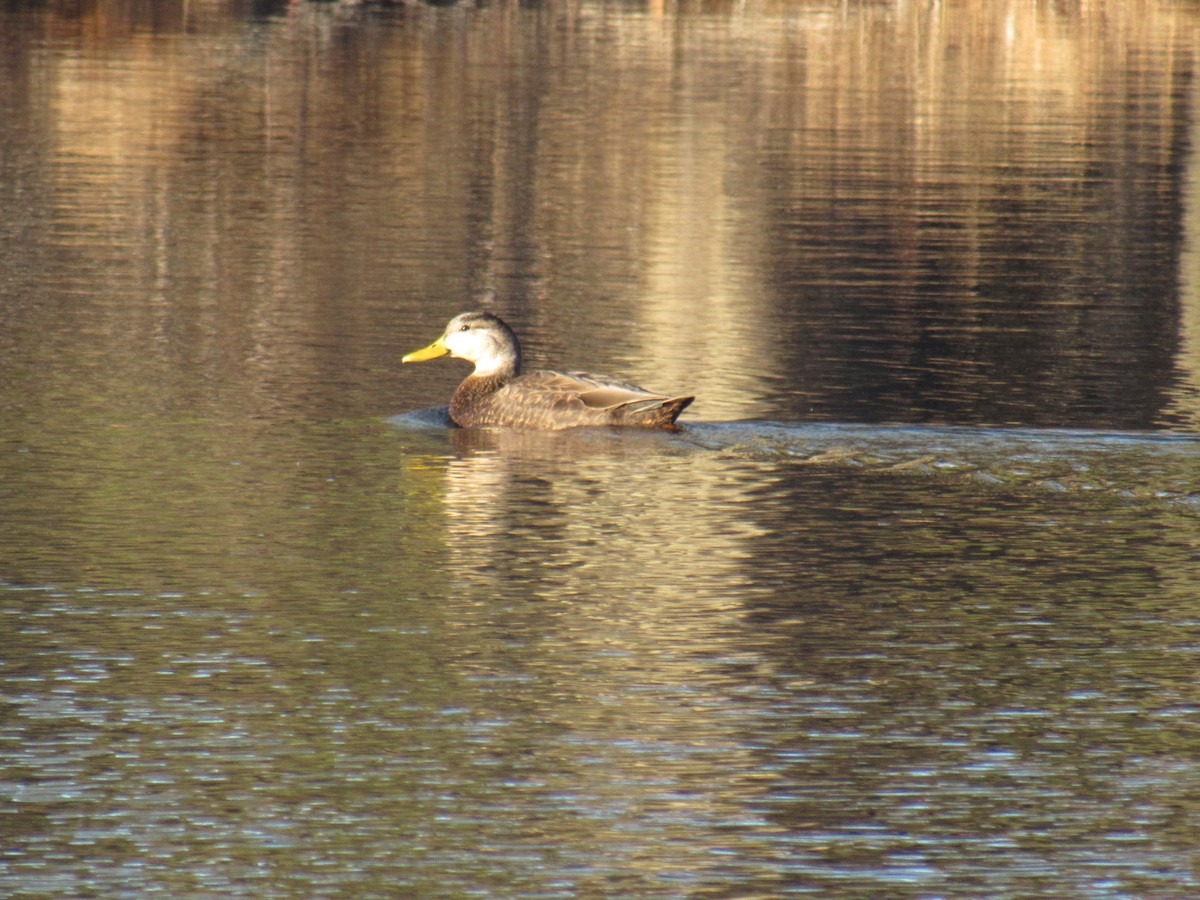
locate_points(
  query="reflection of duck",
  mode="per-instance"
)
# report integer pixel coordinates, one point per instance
(496, 393)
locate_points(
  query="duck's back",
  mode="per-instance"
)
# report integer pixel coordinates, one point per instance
(548, 400)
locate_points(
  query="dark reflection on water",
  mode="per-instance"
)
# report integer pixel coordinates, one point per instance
(268, 627)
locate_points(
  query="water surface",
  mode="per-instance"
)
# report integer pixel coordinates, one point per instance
(907, 609)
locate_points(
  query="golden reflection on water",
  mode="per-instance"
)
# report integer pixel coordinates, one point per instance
(608, 570)
(904, 111)
(627, 540)
(597, 511)
(1187, 400)
(654, 203)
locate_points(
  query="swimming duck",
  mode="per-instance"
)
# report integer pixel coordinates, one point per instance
(496, 393)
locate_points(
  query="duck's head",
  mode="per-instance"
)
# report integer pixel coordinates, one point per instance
(477, 337)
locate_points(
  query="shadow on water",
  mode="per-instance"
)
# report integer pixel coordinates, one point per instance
(1157, 466)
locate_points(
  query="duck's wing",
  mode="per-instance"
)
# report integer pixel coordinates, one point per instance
(553, 400)
(591, 392)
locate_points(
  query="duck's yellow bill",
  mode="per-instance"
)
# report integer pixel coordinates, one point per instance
(433, 351)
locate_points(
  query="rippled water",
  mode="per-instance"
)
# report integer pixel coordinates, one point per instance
(615, 664)
(907, 609)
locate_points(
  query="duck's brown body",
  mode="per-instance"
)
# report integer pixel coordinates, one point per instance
(556, 400)
(498, 394)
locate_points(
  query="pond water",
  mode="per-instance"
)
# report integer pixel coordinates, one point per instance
(909, 607)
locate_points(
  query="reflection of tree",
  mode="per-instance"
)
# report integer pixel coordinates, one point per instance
(974, 243)
(912, 211)
(1186, 401)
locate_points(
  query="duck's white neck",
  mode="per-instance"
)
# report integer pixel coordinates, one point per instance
(487, 368)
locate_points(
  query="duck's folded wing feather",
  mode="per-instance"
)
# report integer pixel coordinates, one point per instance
(589, 390)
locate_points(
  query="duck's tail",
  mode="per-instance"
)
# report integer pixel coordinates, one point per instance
(657, 413)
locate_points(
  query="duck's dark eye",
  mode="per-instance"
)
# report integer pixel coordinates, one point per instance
(465, 328)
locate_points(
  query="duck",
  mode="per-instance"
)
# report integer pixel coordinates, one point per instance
(498, 393)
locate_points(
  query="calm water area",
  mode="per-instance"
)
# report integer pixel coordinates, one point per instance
(908, 608)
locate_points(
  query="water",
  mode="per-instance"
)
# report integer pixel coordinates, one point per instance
(907, 609)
